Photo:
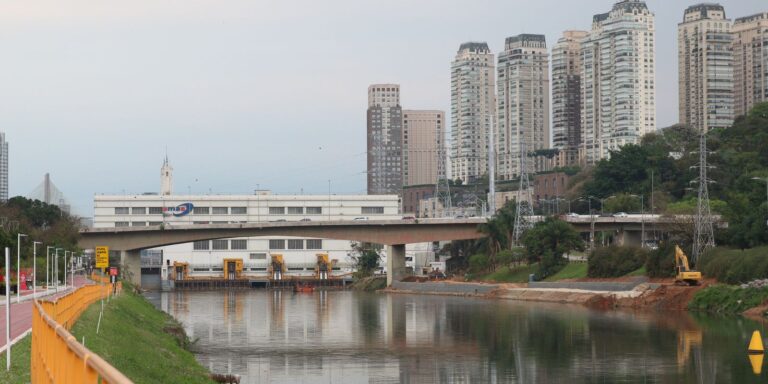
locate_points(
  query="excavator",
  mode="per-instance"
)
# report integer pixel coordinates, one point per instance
(684, 275)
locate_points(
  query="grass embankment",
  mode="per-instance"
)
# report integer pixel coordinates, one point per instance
(145, 344)
(370, 284)
(727, 299)
(570, 271)
(19, 372)
(521, 274)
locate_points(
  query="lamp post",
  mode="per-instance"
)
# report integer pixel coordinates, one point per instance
(65, 268)
(56, 267)
(591, 221)
(48, 266)
(18, 267)
(642, 220)
(34, 267)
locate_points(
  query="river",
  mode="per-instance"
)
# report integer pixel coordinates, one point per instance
(352, 337)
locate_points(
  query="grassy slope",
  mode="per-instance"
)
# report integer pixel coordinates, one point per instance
(19, 363)
(727, 299)
(133, 340)
(515, 275)
(570, 271)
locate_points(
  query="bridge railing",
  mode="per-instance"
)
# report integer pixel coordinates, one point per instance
(56, 355)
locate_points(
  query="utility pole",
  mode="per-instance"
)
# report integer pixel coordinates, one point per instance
(524, 211)
(703, 232)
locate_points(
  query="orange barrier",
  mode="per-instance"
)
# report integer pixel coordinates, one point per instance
(100, 279)
(57, 357)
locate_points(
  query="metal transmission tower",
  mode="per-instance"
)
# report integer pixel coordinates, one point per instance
(524, 210)
(703, 232)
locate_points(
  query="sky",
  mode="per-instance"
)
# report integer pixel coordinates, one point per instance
(247, 94)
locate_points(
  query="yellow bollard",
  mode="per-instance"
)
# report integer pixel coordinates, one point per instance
(756, 360)
(756, 344)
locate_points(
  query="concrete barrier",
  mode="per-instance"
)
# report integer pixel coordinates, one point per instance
(591, 286)
(442, 287)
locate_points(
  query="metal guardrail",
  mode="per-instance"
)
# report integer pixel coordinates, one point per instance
(57, 357)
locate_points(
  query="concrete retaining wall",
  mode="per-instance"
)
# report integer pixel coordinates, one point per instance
(590, 286)
(440, 287)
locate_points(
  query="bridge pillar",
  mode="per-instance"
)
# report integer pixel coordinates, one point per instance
(628, 238)
(395, 263)
(131, 266)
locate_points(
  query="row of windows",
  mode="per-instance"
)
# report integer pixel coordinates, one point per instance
(195, 211)
(275, 244)
(295, 210)
(242, 244)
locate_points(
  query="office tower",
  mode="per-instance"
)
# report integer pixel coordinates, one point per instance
(472, 110)
(3, 168)
(566, 97)
(423, 146)
(166, 178)
(385, 145)
(618, 79)
(750, 53)
(522, 102)
(705, 67)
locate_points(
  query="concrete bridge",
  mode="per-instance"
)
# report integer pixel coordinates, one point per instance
(129, 241)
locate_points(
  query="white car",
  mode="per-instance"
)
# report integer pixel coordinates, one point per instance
(360, 218)
(620, 214)
(573, 214)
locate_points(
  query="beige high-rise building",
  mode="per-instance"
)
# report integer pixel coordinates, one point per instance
(423, 146)
(522, 102)
(705, 67)
(385, 134)
(473, 101)
(750, 53)
(566, 97)
(618, 79)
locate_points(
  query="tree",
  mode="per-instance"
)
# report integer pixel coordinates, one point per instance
(548, 241)
(366, 258)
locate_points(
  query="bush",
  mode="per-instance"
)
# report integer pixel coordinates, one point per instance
(728, 300)
(615, 261)
(733, 266)
(479, 263)
(661, 262)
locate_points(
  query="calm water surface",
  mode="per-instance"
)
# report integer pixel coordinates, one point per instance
(351, 337)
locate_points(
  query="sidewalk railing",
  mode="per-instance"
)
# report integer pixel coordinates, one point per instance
(57, 357)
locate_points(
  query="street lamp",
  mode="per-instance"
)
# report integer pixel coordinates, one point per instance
(48, 266)
(56, 267)
(591, 220)
(34, 267)
(18, 266)
(642, 220)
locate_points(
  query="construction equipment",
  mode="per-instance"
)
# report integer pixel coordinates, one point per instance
(233, 269)
(684, 275)
(323, 268)
(276, 267)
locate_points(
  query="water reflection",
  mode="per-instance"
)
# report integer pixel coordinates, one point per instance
(346, 337)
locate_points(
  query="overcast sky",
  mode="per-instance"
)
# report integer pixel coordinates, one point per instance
(246, 93)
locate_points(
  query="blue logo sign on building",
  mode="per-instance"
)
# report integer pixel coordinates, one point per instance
(179, 210)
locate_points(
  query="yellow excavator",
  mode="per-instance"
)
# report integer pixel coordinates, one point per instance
(684, 275)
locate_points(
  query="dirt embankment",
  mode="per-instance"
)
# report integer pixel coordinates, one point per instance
(668, 297)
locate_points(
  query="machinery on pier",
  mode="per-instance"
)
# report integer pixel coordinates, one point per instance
(276, 267)
(684, 275)
(324, 267)
(180, 271)
(233, 269)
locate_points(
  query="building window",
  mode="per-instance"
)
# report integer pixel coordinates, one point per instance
(138, 224)
(372, 210)
(138, 211)
(314, 210)
(276, 244)
(155, 223)
(201, 211)
(277, 210)
(238, 210)
(314, 244)
(220, 210)
(239, 244)
(121, 210)
(258, 256)
(121, 223)
(295, 210)
(155, 210)
(220, 245)
(202, 245)
(295, 244)
(201, 222)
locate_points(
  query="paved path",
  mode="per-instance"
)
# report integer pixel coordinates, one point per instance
(21, 313)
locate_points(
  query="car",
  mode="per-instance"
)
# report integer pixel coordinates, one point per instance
(620, 214)
(360, 218)
(409, 218)
(306, 219)
(459, 217)
(573, 214)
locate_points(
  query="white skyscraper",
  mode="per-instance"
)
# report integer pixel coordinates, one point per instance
(166, 178)
(472, 109)
(750, 53)
(618, 79)
(523, 102)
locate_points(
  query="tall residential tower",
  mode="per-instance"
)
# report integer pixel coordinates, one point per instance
(423, 146)
(385, 136)
(618, 79)
(566, 97)
(522, 102)
(472, 110)
(750, 53)
(705, 67)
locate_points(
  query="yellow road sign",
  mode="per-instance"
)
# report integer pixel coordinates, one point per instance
(102, 257)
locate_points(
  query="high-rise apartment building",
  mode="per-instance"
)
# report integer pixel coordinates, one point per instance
(423, 146)
(473, 102)
(618, 79)
(566, 97)
(3, 168)
(705, 67)
(522, 77)
(750, 53)
(385, 135)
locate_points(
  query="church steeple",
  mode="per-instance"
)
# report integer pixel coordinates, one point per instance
(166, 178)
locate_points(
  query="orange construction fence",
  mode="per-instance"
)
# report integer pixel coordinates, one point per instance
(57, 357)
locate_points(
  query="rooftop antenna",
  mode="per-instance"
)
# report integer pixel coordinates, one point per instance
(524, 211)
(703, 232)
